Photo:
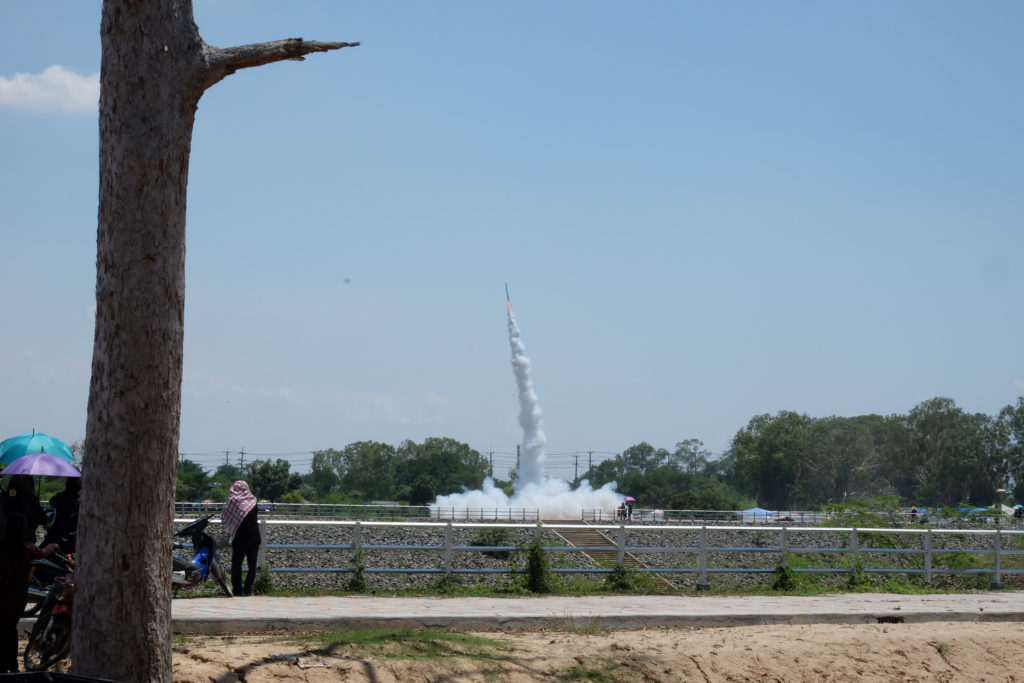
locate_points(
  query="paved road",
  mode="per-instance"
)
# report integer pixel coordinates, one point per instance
(223, 615)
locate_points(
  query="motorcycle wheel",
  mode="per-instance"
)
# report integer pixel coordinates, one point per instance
(48, 643)
(221, 577)
(33, 604)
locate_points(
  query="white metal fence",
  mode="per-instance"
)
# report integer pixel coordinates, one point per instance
(925, 552)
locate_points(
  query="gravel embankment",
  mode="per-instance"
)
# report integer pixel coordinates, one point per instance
(416, 555)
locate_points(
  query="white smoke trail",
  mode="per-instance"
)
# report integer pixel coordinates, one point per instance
(552, 498)
(531, 460)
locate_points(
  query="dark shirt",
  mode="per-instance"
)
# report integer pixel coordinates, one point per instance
(248, 531)
(30, 509)
(64, 528)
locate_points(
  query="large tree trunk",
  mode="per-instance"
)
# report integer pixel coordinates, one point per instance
(148, 100)
(154, 69)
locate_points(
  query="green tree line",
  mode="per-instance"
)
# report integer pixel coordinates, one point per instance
(934, 455)
(413, 473)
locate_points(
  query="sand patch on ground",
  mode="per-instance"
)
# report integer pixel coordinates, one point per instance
(808, 653)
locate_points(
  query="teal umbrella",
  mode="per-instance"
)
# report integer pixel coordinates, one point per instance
(33, 442)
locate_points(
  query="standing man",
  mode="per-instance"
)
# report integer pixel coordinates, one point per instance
(240, 517)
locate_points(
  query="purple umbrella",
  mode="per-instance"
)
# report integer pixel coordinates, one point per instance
(41, 464)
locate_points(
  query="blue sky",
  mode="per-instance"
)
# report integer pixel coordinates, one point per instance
(704, 212)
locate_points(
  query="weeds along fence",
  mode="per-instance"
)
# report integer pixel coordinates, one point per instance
(687, 554)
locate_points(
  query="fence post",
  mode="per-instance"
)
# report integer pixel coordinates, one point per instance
(928, 556)
(448, 548)
(702, 561)
(537, 532)
(783, 548)
(997, 578)
(357, 547)
(854, 552)
(620, 552)
(261, 557)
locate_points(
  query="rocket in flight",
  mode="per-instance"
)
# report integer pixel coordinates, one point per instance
(508, 300)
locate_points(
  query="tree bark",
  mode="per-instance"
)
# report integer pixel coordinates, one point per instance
(154, 68)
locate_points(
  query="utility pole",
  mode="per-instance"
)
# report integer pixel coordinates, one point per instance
(590, 461)
(576, 471)
(517, 460)
(226, 462)
(241, 460)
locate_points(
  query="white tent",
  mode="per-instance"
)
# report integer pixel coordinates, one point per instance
(756, 514)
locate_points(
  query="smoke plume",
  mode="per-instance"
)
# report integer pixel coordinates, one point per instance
(553, 498)
(531, 459)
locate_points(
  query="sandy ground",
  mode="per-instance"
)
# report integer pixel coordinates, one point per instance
(884, 652)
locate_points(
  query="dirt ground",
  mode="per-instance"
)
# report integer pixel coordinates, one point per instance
(883, 652)
(909, 653)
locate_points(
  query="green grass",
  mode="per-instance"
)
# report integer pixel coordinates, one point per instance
(943, 648)
(573, 585)
(592, 675)
(402, 644)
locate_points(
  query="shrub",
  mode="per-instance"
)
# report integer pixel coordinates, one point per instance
(539, 577)
(497, 536)
(357, 582)
(448, 583)
(857, 576)
(263, 584)
(785, 579)
(619, 579)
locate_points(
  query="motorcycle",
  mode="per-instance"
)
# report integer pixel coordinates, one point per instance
(42, 574)
(49, 641)
(204, 563)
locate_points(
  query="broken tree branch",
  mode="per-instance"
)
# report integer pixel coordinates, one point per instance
(222, 62)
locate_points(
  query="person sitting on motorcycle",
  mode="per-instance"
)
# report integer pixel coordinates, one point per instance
(16, 556)
(64, 528)
(239, 516)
